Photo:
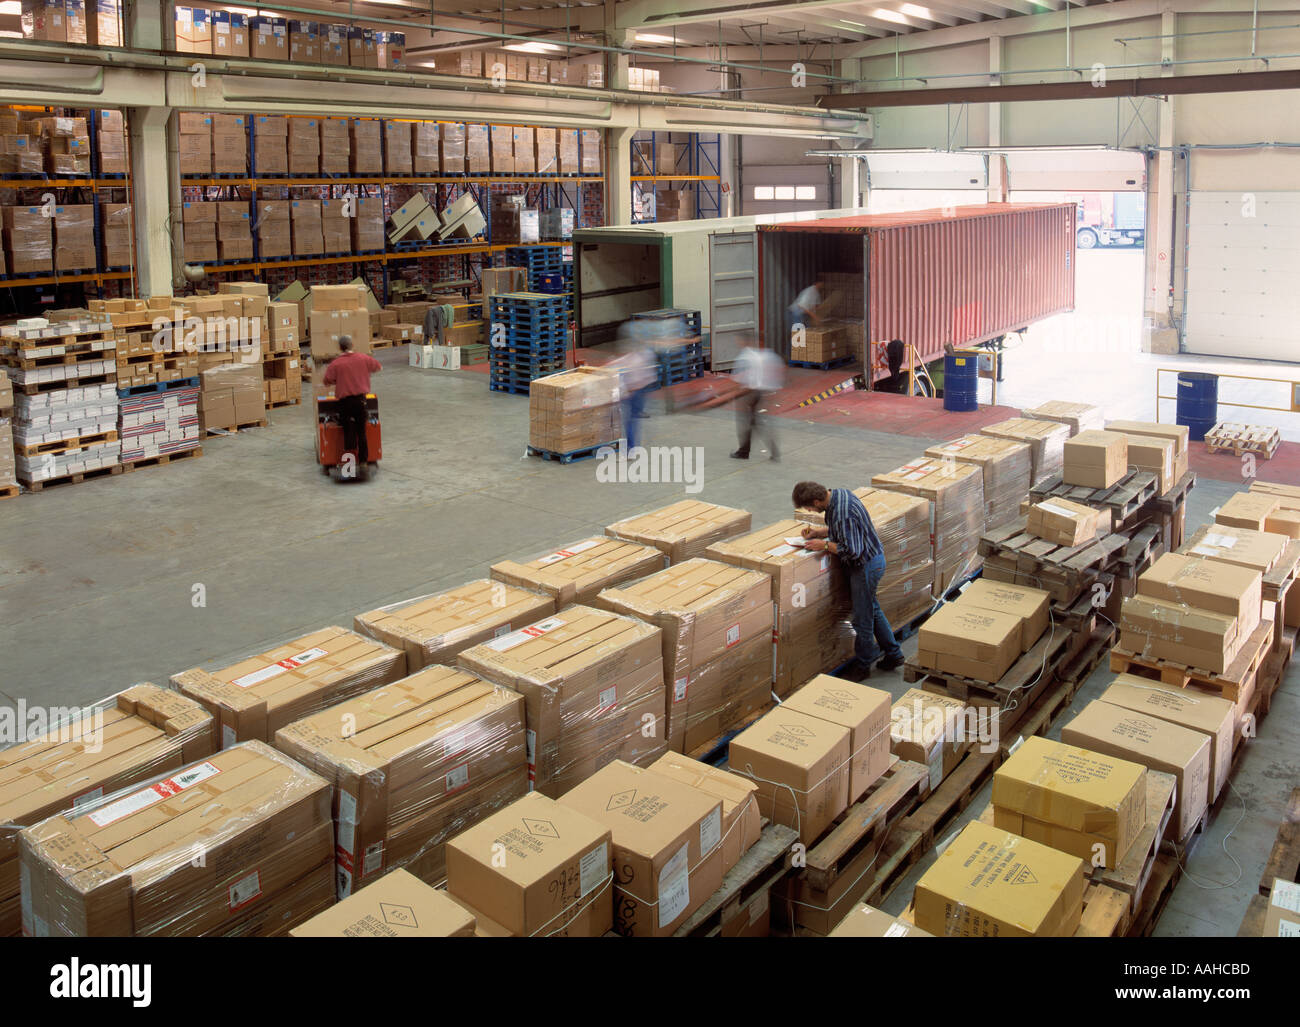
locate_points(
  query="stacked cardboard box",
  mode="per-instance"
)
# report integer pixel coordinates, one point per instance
(1156, 744)
(1062, 522)
(367, 152)
(1095, 459)
(667, 844)
(126, 865)
(1085, 803)
(398, 906)
(716, 623)
(199, 221)
(1046, 441)
(397, 147)
(984, 631)
(368, 224)
(230, 34)
(193, 30)
(195, 142)
(578, 572)
(231, 394)
(424, 148)
(111, 139)
(525, 154)
(156, 424)
(229, 144)
(682, 530)
(271, 144)
(338, 310)
(361, 48)
(844, 296)
(1007, 467)
(268, 38)
(991, 884)
(390, 50)
(590, 152)
(74, 237)
(811, 597)
(117, 233)
(109, 745)
(335, 146)
(1285, 519)
(570, 150)
(679, 205)
(1251, 510)
(304, 142)
(68, 156)
(334, 45)
(21, 153)
(305, 218)
(304, 41)
(436, 628)
(535, 869)
(257, 696)
(930, 729)
(413, 763)
(742, 823)
(234, 230)
(451, 146)
(546, 155)
(956, 496)
(556, 224)
(574, 410)
(29, 240)
(1078, 417)
(594, 691)
(868, 922)
(477, 150)
(336, 225)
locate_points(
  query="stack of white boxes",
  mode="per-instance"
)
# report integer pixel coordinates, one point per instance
(159, 424)
(80, 412)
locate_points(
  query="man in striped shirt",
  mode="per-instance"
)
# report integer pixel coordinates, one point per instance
(850, 535)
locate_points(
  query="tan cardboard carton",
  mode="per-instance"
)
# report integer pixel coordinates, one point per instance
(1080, 417)
(435, 628)
(989, 883)
(1096, 459)
(593, 685)
(972, 642)
(1282, 920)
(1178, 633)
(1178, 434)
(1031, 605)
(1007, 466)
(402, 757)
(538, 868)
(399, 905)
(1063, 522)
(929, 729)
(956, 495)
(801, 766)
(1285, 520)
(683, 530)
(1247, 510)
(257, 696)
(1206, 585)
(865, 711)
(579, 571)
(667, 841)
(1148, 453)
(1242, 547)
(1099, 801)
(1157, 745)
(868, 922)
(741, 821)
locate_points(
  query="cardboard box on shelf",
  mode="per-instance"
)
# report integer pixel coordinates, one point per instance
(436, 628)
(538, 867)
(811, 597)
(1211, 715)
(801, 766)
(413, 763)
(425, 148)
(525, 159)
(304, 41)
(682, 530)
(230, 34)
(1157, 745)
(451, 143)
(1079, 417)
(577, 572)
(261, 821)
(1096, 459)
(193, 30)
(590, 151)
(569, 150)
(546, 154)
(333, 43)
(397, 147)
(707, 613)
(865, 711)
(1062, 522)
(667, 844)
(990, 883)
(268, 38)
(593, 686)
(367, 152)
(255, 697)
(956, 496)
(929, 729)
(1085, 803)
(399, 905)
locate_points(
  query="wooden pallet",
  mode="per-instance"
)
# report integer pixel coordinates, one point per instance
(9, 491)
(1172, 501)
(1284, 858)
(65, 445)
(1165, 875)
(1073, 564)
(862, 828)
(1235, 680)
(70, 479)
(31, 360)
(1035, 666)
(1239, 439)
(1079, 667)
(1039, 718)
(1123, 499)
(1252, 924)
(951, 798)
(213, 429)
(38, 388)
(163, 459)
(765, 863)
(284, 403)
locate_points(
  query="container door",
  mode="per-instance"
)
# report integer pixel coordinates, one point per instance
(733, 296)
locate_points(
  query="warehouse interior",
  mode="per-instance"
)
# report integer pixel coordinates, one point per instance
(1050, 351)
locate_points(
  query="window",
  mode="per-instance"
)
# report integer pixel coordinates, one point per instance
(785, 192)
(763, 192)
(805, 192)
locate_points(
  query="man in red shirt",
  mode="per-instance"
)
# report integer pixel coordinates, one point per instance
(350, 373)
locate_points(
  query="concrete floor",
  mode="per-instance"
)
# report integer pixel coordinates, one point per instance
(97, 580)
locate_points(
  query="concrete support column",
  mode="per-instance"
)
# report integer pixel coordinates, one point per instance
(151, 191)
(850, 183)
(150, 24)
(618, 176)
(1158, 332)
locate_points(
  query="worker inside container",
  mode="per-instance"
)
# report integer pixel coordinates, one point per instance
(804, 311)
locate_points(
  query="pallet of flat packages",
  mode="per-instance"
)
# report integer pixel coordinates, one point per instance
(810, 594)
(683, 530)
(667, 844)
(413, 763)
(125, 865)
(578, 572)
(399, 906)
(716, 627)
(902, 523)
(254, 697)
(1007, 468)
(160, 425)
(956, 496)
(574, 412)
(1078, 417)
(1045, 439)
(593, 686)
(103, 747)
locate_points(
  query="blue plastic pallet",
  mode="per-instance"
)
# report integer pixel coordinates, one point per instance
(572, 455)
(140, 390)
(824, 365)
(502, 387)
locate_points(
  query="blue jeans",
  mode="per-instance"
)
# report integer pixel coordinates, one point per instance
(633, 410)
(873, 631)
